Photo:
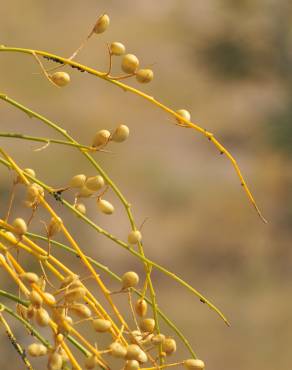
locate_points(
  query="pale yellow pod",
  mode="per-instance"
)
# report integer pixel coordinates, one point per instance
(142, 357)
(101, 325)
(144, 75)
(94, 183)
(50, 298)
(61, 79)
(120, 134)
(117, 48)
(132, 365)
(81, 208)
(130, 279)
(147, 325)
(185, 114)
(169, 346)
(101, 24)
(35, 298)
(133, 352)
(55, 361)
(134, 237)
(194, 364)
(55, 226)
(141, 307)
(30, 277)
(85, 192)
(105, 206)
(42, 317)
(77, 181)
(158, 338)
(101, 138)
(130, 63)
(118, 350)
(91, 362)
(37, 349)
(20, 226)
(81, 310)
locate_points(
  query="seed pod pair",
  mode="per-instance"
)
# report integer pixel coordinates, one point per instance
(37, 349)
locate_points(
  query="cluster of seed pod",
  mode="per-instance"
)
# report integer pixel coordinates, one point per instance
(130, 63)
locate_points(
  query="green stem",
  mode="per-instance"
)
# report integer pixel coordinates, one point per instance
(44, 140)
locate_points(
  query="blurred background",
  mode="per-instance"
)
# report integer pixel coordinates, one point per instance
(229, 64)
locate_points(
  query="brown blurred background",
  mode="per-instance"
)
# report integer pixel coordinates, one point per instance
(229, 63)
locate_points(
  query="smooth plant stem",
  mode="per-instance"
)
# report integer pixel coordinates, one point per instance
(45, 140)
(157, 103)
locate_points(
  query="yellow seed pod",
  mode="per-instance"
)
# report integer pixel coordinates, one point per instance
(77, 181)
(130, 63)
(101, 325)
(118, 350)
(101, 24)
(101, 138)
(55, 361)
(185, 114)
(141, 307)
(81, 310)
(37, 349)
(194, 364)
(120, 134)
(133, 352)
(27, 171)
(49, 298)
(158, 339)
(61, 79)
(142, 357)
(134, 237)
(80, 208)
(144, 75)
(30, 277)
(147, 325)
(42, 317)
(33, 192)
(75, 294)
(130, 280)
(20, 226)
(105, 206)
(35, 298)
(117, 48)
(85, 192)
(169, 346)
(94, 183)
(91, 362)
(55, 226)
(59, 338)
(132, 365)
